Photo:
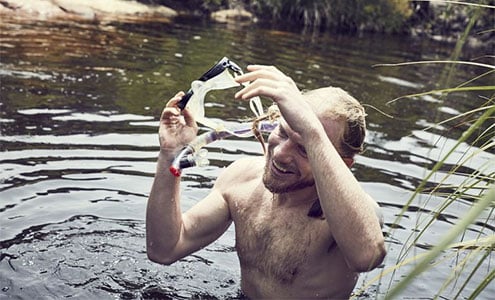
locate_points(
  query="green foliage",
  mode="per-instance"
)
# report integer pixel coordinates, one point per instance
(389, 16)
(350, 15)
(482, 202)
(477, 188)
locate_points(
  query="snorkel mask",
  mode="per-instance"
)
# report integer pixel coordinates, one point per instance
(219, 77)
(220, 82)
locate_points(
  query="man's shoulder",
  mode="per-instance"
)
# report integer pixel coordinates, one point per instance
(242, 170)
(246, 168)
(241, 181)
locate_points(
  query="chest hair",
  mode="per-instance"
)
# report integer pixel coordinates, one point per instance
(275, 241)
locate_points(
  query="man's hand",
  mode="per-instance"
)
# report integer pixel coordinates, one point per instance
(270, 82)
(176, 130)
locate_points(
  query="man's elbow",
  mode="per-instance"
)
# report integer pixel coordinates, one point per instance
(160, 257)
(371, 259)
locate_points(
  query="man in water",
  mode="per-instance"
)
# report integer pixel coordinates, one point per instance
(304, 226)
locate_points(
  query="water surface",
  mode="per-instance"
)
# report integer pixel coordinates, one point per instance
(78, 114)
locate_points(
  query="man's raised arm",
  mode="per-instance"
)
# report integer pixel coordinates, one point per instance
(171, 235)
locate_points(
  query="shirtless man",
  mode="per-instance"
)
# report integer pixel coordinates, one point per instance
(304, 226)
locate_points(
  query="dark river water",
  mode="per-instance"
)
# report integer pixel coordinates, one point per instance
(79, 107)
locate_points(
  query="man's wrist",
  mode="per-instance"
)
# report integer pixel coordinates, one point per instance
(167, 155)
(165, 159)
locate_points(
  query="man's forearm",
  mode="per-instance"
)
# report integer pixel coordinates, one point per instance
(163, 213)
(349, 211)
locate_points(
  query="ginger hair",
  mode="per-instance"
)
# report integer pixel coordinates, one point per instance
(337, 104)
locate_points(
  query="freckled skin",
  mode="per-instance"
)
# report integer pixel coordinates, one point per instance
(283, 253)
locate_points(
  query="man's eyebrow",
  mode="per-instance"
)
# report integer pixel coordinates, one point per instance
(282, 129)
(283, 132)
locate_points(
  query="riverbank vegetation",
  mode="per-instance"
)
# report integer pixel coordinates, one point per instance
(439, 20)
(474, 187)
(389, 16)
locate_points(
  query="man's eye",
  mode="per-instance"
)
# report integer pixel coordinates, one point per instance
(282, 133)
(302, 151)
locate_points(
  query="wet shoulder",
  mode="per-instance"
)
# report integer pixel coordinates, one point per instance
(242, 171)
(241, 180)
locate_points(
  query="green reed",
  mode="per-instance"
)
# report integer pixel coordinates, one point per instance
(480, 203)
(477, 188)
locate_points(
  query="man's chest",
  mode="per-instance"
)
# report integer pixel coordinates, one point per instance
(279, 243)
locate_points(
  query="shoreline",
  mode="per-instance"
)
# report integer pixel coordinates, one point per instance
(431, 22)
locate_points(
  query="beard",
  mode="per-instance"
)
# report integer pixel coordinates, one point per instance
(279, 186)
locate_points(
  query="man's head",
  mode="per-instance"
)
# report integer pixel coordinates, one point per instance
(287, 168)
(335, 104)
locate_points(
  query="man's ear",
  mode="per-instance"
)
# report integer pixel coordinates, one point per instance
(348, 161)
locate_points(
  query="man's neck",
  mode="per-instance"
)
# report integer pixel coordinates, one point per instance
(303, 197)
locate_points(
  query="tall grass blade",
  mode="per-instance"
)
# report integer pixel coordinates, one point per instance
(447, 91)
(487, 200)
(476, 268)
(471, 130)
(470, 63)
(482, 285)
(436, 250)
(463, 3)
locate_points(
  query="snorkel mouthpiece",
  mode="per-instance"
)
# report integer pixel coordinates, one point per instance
(192, 154)
(187, 158)
(181, 161)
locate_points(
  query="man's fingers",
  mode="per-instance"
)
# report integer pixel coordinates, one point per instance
(260, 71)
(262, 90)
(171, 115)
(173, 102)
(254, 75)
(265, 87)
(171, 110)
(188, 118)
(263, 67)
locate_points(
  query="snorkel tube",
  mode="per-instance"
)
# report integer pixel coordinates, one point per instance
(192, 154)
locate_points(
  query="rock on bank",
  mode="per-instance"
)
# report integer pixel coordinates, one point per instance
(99, 10)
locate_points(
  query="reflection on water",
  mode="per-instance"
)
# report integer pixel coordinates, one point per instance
(78, 116)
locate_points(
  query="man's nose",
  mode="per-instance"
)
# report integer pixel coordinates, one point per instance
(283, 152)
